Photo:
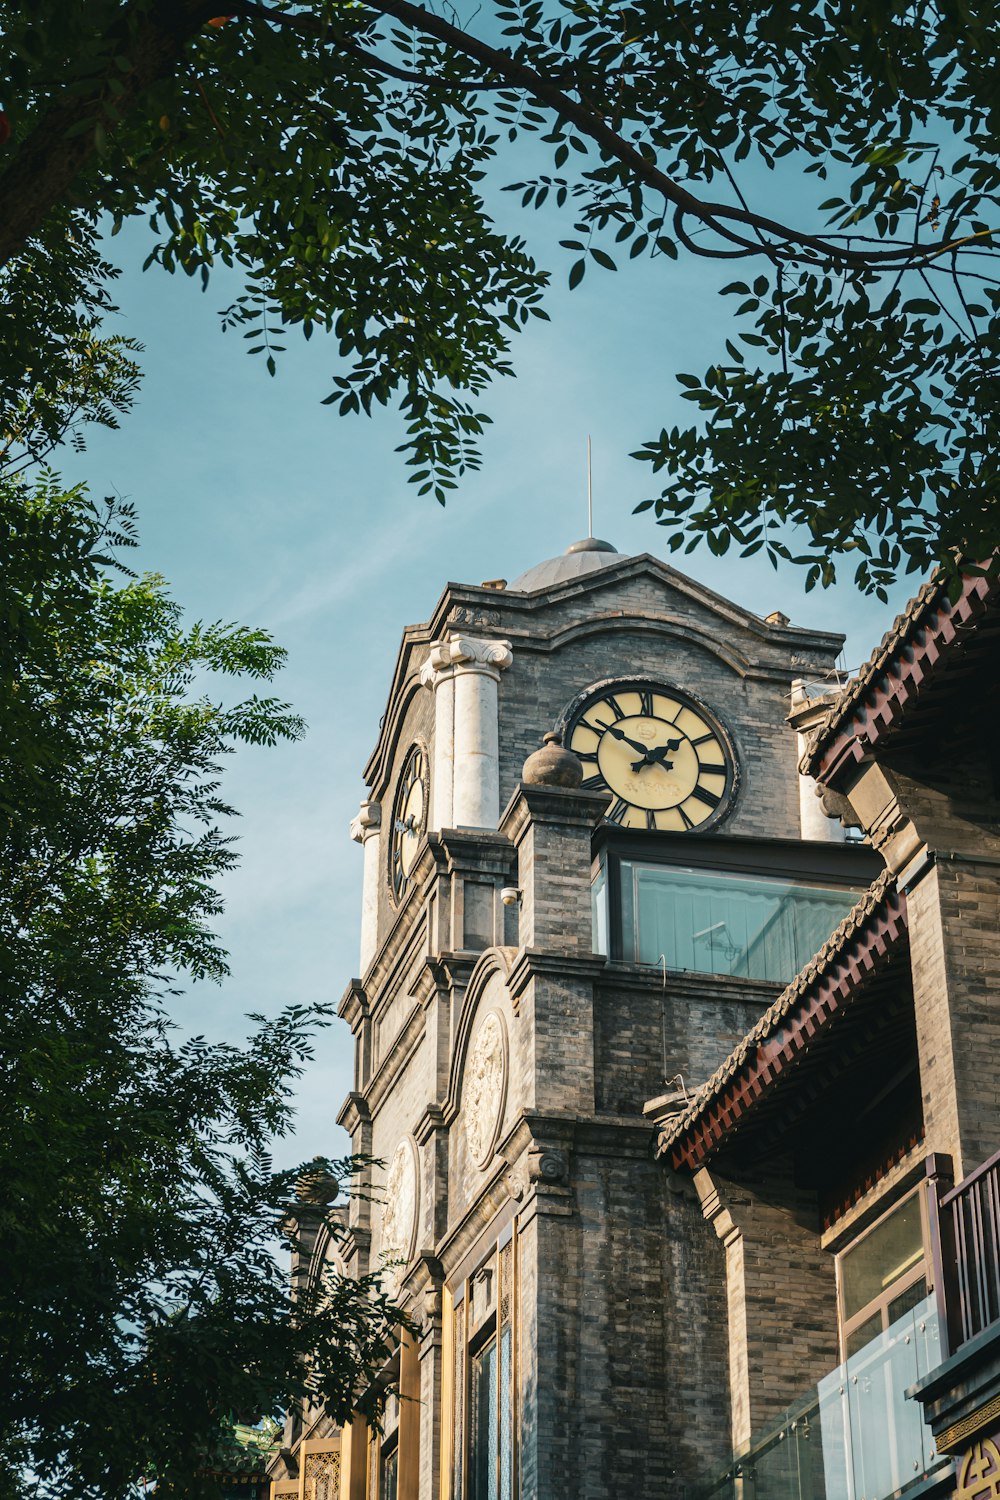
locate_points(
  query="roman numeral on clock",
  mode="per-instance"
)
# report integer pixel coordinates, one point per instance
(594, 783)
(710, 799)
(597, 728)
(617, 810)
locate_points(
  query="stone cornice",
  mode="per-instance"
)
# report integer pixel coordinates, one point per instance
(431, 1120)
(354, 1112)
(464, 852)
(683, 984)
(430, 981)
(458, 968)
(356, 1241)
(533, 962)
(353, 1007)
(553, 805)
(504, 606)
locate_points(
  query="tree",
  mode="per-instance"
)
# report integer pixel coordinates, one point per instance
(333, 150)
(142, 1301)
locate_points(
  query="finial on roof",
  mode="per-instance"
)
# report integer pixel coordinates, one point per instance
(316, 1185)
(553, 765)
(589, 544)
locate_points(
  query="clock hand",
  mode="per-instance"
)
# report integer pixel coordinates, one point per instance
(654, 756)
(620, 734)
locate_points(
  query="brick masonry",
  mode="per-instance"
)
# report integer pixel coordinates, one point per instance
(625, 1319)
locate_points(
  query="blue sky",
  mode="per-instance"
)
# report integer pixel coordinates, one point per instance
(260, 505)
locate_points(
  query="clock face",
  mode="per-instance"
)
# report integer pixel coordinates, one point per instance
(665, 761)
(409, 820)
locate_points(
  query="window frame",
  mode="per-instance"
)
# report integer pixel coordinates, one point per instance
(836, 866)
(921, 1269)
(381, 1445)
(468, 1342)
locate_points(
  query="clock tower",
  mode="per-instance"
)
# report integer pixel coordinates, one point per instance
(553, 947)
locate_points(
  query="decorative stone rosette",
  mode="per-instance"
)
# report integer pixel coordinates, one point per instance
(399, 1207)
(484, 1089)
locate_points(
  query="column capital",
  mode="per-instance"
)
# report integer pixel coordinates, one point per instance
(367, 822)
(468, 653)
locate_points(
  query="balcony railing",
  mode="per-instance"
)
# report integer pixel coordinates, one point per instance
(969, 1228)
(855, 1435)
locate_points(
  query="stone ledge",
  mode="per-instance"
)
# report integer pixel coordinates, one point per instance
(532, 962)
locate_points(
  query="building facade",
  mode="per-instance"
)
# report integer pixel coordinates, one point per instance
(634, 1105)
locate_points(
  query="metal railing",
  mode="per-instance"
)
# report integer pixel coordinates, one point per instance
(855, 1435)
(969, 1226)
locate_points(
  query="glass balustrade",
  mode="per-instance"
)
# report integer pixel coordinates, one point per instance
(717, 922)
(855, 1435)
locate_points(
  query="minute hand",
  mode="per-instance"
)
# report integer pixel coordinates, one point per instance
(619, 734)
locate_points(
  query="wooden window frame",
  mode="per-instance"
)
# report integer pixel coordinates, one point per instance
(463, 1342)
(921, 1269)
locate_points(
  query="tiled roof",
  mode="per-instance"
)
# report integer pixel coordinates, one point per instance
(874, 700)
(833, 973)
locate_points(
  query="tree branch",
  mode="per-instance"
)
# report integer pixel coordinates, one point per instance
(791, 244)
(44, 168)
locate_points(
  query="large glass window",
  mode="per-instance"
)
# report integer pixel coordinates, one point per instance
(721, 922)
(883, 1275)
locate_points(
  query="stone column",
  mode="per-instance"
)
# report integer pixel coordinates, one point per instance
(438, 674)
(814, 821)
(948, 864)
(465, 776)
(781, 1291)
(366, 831)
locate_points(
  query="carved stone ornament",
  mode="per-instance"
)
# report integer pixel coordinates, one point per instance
(368, 821)
(463, 614)
(468, 653)
(485, 1087)
(399, 1205)
(547, 1166)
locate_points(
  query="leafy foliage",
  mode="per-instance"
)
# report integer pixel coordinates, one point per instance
(142, 1302)
(56, 373)
(334, 150)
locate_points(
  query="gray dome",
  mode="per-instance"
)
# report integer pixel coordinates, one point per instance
(581, 558)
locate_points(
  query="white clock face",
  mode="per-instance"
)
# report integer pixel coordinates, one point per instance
(409, 821)
(668, 767)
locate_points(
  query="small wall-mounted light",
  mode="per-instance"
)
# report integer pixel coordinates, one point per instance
(510, 895)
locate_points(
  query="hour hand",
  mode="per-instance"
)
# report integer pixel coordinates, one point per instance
(654, 756)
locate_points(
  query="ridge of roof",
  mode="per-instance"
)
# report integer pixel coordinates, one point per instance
(860, 914)
(931, 599)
